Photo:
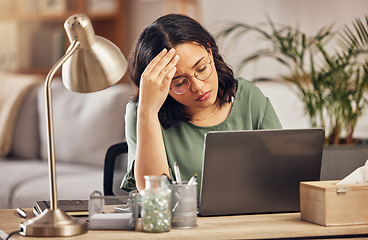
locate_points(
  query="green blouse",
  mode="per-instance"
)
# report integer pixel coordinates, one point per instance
(184, 142)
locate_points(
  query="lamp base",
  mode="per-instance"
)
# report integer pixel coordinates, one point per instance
(53, 223)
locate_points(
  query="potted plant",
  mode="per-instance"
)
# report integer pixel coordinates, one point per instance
(332, 86)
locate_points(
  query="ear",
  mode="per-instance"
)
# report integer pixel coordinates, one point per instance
(209, 50)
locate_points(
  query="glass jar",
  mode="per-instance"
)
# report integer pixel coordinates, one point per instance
(156, 209)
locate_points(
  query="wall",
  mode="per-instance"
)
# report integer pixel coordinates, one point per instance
(309, 15)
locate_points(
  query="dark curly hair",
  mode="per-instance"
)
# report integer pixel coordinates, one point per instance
(167, 32)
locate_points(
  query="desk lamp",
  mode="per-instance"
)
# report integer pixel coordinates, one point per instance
(90, 64)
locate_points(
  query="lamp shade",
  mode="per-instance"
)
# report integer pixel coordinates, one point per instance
(96, 64)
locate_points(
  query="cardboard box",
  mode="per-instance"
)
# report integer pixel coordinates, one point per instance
(328, 204)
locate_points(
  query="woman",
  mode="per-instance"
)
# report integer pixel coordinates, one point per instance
(185, 89)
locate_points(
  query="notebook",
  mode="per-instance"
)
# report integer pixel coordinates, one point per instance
(259, 171)
(71, 207)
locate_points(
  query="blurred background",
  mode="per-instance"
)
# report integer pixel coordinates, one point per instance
(32, 36)
(32, 39)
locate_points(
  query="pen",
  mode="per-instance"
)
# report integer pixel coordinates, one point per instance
(21, 213)
(192, 179)
(177, 173)
(164, 174)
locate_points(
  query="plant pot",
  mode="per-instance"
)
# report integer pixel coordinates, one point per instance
(339, 161)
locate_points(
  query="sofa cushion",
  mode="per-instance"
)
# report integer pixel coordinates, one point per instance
(25, 181)
(71, 185)
(290, 108)
(85, 125)
(26, 133)
(14, 88)
(15, 172)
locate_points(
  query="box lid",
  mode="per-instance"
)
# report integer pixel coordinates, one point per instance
(330, 186)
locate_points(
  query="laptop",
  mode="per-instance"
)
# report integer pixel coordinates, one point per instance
(258, 171)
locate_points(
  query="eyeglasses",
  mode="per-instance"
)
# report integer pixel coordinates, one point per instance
(181, 85)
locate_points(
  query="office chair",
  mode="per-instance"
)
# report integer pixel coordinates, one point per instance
(115, 168)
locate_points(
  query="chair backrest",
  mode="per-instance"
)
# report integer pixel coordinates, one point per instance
(115, 168)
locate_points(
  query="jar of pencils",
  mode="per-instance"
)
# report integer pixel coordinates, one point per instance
(156, 209)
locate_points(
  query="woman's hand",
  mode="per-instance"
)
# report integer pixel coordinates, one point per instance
(153, 90)
(155, 81)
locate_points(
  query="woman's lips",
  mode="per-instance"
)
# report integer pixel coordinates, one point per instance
(204, 96)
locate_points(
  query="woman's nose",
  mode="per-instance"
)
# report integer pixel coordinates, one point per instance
(195, 84)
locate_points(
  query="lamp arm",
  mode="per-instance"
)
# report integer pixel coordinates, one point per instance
(50, 124)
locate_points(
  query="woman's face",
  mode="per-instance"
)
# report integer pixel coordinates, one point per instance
(201, 93)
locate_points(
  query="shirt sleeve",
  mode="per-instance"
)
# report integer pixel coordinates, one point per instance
(128, 183)
(254, 103)
(270, 119)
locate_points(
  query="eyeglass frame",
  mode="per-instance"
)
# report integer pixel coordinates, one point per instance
(194, 75)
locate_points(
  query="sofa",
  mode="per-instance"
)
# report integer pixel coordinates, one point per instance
(85, 125)
(290, 109)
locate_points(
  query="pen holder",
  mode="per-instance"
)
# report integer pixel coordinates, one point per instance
(183, 205)
(113, 212)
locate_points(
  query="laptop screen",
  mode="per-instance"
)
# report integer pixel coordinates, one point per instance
(258, 171)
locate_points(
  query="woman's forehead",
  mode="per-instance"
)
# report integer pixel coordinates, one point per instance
(189, 46)
(190, 53)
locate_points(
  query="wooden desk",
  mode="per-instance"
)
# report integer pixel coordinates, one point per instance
(286, 225)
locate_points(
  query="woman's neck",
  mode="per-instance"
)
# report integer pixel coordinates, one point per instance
(213, 115)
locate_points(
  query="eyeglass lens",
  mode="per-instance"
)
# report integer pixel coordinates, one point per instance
(181, 85)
